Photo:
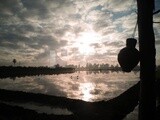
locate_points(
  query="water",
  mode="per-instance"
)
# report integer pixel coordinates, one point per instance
(87, 86)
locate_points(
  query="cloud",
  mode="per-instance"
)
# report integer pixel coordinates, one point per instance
(30, 29)
(119, 5)
(74, 50)
(96, 45)
(49, 87)
(158, 42)
(43, 55)
(114, 44)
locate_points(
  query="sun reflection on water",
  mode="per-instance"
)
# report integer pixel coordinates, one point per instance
(86, 89)
(87, 86)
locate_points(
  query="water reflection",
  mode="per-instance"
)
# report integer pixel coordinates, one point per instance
(86, 89)
(81, 85)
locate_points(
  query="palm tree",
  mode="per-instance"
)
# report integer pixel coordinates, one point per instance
(14, 61)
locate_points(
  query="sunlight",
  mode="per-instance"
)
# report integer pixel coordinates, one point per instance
(86, 49)
(84, 42)
(86, 89)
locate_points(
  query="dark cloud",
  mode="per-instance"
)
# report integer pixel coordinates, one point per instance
(63, 43)
(96, 45)
(36, 7)
(41, 41)
(97, 7)
(114, 44)
(10, 45)
(36, 42)
(64, 52)
(157, 3)
(101, 24)
(157, 32)
(120, 5)
(61, 31)
(102, 20)
(11, 41)
(78, 29)
(43, 55)
(39, 9)
(18, 29)
(112, 52)
(158, 42)
(76, 16)
(51, 45)
(8, 7)
(12, 37)
(98, 56)
(43, 9)
(74, 51)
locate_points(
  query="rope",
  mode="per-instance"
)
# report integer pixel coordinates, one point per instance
(134, 31)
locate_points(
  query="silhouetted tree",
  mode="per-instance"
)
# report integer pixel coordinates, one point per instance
(57, 66)
(14, 61)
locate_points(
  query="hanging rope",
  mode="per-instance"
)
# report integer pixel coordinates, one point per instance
(134, 31)
(131, 8)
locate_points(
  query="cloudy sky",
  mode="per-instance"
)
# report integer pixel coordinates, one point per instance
(46, 32)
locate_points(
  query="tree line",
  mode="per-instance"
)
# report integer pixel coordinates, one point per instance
(97, 66)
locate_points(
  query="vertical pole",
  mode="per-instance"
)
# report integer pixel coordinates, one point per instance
(147, 105)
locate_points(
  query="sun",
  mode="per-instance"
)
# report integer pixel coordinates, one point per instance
(84, 42)
(86, 49)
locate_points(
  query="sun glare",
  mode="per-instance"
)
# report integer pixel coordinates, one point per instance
(86, 49)
(84, 42)
(86, 89)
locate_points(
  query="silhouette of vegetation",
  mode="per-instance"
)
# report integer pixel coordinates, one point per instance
(14, 61)
(10, 71)
(57, 66)
(20, 71)
(99, 67)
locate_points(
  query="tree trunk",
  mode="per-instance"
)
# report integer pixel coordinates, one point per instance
(147, 105)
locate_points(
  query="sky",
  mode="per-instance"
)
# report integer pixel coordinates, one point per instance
(47, 32)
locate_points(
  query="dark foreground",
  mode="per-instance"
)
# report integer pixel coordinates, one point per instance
(114, 109)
